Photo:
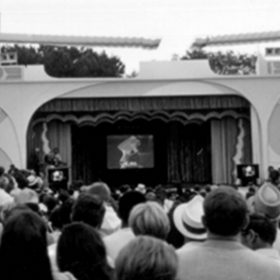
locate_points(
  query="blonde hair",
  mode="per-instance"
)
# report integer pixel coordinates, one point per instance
(149, 219)
(146, 258)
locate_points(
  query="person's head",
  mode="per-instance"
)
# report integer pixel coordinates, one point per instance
(274, 177)
(225, 212)
(127, 202)
(266, 201)
(146, 258)
(149, 219)
(81, 251)
(187, 218)
(100, 189)
(23, 251)
(260, 232)
(61, 214)
(89, 209)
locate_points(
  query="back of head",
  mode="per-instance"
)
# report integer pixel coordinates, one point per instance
(149, 219)
(24, 247)
(146, 258)
(89, 209)
(274, 176)
(61, 214)
(225, 212)
(264, 228)
(100, 189)
(81, 251)
(127, 202)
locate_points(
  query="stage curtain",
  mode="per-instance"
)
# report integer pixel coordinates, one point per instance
(188, 153)
(223, 142)
(46, 136)
(59, 135)
(144, 103)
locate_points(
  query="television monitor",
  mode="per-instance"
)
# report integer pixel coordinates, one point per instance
(130, 151)
(248, 173)
(58, 175)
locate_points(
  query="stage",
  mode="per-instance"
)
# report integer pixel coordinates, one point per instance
(190, 140)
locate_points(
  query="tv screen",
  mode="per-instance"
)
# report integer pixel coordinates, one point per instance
(247, 171)
(130, 151)
(57, 175)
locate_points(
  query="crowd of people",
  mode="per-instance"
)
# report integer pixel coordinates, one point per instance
(88, 232)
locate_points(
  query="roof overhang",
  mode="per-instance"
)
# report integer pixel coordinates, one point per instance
(246, 38)
(92, 41)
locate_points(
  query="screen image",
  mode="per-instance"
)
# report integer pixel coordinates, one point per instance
(57, 175)
(130, 151)
(247, 171)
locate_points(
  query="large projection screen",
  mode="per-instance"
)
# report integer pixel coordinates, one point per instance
(130, 151)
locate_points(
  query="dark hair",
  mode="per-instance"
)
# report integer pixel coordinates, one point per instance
(61, 215)
(50, 201)
(90, 209)
(225, 211)
(127, 202)
(264, 227)
(2, 170)
(23, 251)
(81, 251)
(274, 176)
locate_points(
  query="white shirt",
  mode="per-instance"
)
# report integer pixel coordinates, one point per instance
(116, 241)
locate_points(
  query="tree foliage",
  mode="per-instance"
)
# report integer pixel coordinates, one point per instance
(228, 63)
(69, 61)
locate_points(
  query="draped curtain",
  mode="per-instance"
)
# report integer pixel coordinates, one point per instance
(46, 136)
(188, 153)
(59, 135)
(230, 146)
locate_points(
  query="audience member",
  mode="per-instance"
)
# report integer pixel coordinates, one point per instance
(188, 220)
(111, 221)
(149, 219)
(146, 258)
(81, 251)
(162, 198)
(90, 209)
(266, 201)
(222, 256)
(115, 241)
(59, 217)
(259, 235)
(23, 250)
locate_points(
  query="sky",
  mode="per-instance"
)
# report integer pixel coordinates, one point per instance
(176, 22)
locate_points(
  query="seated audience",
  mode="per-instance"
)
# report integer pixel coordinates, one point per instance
(115, 241)
(149, 219)
(81, 251)
(222, 256)
(259, 235)
(146, 258)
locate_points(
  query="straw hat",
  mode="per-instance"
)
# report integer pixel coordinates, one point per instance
(188, 218)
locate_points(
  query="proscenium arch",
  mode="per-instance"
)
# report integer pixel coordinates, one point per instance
(169, 87)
